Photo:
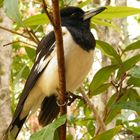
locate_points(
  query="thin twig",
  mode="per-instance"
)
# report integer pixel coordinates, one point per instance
(100, 123)
(32, 37)
(33, 33)
(18, 41)
(118, 87)
(14, 32)
(47, 13)
(71, 97)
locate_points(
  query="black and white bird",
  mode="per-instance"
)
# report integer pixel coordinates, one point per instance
(42, 83)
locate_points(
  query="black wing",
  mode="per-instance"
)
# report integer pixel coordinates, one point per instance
(45, 47)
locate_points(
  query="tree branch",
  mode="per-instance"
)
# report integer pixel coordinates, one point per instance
(14, 32)
(20, 34)
(32, 36)
(100, 123)
(47, 13)
(61, 64)
(19, 41)
(71, 97)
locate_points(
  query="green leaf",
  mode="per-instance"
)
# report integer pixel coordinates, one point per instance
(131, 105)
(108, 50)
(135, 72)
(135, 129)
(100, 89)
(101, 76)
(113, 112)
(62, 3)
(132, 128)
(111, 101)
(133, 46)
(105, 23)
(134, 81)
(82, 122)
(56, 134)
(84, 3)
(90, 127)
(12, 11)
(69, 137)
(39, 19)
(109, 134)
(31, 53)
(1, 3)
(47, 133)
(133, 95)
(118, 12)
(137, 120)
(128, 64)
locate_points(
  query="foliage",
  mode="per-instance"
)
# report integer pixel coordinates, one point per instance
(49, 131)
(121, 77)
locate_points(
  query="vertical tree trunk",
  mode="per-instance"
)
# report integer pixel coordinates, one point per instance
(5, 62)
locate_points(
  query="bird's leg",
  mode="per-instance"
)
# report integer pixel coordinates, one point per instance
(71, 97)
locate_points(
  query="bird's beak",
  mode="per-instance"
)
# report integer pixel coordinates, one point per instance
(93, 12)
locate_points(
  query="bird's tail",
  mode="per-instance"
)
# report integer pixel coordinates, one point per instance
(15, 125)
(49, 110)
(14, 128)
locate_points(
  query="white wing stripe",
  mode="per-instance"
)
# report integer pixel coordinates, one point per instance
(42, 63)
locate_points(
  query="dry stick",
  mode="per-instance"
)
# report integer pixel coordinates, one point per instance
(11, 31)
(100, 123)
(32, 36)
(19, 41)
(61, 64)
(118, 91)
(47, 13)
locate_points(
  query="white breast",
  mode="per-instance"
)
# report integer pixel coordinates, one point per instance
(77, 64)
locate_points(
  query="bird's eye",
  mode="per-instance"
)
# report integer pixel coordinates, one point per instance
(73, 15)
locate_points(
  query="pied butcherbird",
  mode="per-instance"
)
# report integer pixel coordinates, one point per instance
(41, 88)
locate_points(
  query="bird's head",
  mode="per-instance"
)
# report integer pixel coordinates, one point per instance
(75, 16)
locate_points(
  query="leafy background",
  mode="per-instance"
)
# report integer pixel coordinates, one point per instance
(112, 101)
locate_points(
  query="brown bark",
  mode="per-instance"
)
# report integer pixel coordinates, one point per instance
(61, 64)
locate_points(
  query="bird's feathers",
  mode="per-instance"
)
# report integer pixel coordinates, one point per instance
(43, 79)
(44, 49)
(49, 110)
(43, 82)
(76, 59)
